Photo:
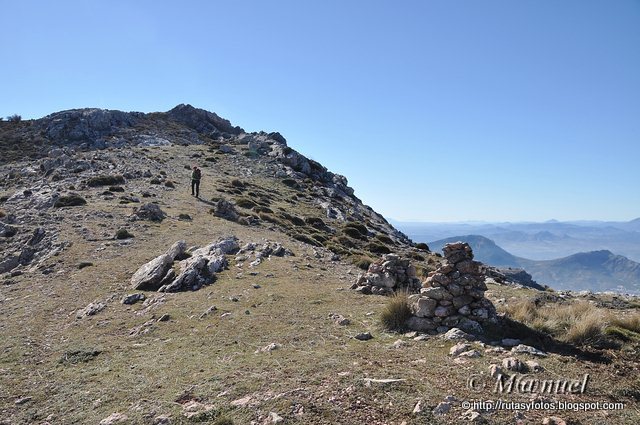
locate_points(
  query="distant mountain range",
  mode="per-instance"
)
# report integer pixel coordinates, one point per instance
(540, 241)
(596, 271)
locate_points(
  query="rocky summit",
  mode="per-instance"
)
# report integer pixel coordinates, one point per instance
(275, 296)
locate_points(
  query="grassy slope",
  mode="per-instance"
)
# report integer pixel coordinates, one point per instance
(319, 370)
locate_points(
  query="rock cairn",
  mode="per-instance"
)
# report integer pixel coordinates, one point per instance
(453, 295)
(387, 275)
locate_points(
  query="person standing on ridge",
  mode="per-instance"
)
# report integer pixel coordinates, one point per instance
(195, 181)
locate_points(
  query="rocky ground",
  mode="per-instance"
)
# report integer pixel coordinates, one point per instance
(255, 321)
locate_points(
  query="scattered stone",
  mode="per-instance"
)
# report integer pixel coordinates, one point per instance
(241, 402)
(22, 400)
(399, 343)
(510, 342)
(340, 320)
(195, 409)
(459, 348)
(442, 409)
(527, 349)
(275, 418)
(150, 212)
(513, 364)
(474, 417)
(364, 336)
(495, 370)
(268, 348)
(162, 420)
(533, 366)
(385, 381)
(133, 298)
(457, 334)
(114, 418)
(91, 309)
(417, 408)
(208, 311)
(553, 420)
(123, 234)
(471, 354)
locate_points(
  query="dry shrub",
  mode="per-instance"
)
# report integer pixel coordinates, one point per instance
(396, 312)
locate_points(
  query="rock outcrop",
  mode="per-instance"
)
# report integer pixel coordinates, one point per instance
(387, 275)
(196, 270)
(453, 295)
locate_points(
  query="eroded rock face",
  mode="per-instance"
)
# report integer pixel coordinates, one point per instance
(192, 271)
(387, 275)
(453, 295)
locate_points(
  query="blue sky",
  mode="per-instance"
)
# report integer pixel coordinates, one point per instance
(434, 110)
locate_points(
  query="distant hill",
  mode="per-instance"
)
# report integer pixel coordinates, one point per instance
(596, 271)
(484, 250)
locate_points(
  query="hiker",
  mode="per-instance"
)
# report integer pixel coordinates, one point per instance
(195, 181)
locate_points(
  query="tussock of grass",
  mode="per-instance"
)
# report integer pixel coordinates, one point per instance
(580, 323)
(69, 201)
(105, 180)
(396, 312)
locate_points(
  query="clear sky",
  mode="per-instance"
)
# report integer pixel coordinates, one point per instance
(434, 110)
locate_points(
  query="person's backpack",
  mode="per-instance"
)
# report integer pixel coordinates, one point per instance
(197, 174)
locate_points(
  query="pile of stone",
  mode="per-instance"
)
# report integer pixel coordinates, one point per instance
(388, 275)
(453, 295)
(194, 269)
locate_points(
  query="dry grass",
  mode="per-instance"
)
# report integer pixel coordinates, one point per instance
(396, 313)
(579, 322)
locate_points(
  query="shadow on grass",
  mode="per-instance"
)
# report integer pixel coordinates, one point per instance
(509, 328)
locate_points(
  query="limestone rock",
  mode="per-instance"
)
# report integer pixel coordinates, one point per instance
(527, 349)
(513, 364)
(150, 275)
(150, 212)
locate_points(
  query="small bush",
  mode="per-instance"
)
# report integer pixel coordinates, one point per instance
(290, 183)
(105, 180)
(422, 246)
(306, 239)
(363, 262)
(116, 189)
(316, 222)
(155, 181)
(260, 209)
(384, 239)
(417, 257)
(14, 118)
(69, 201)
(169, 184)
(378, 248)
(396, 313)
(352, 233)
(123, 234)
(184, 217)
(238, 183)
(245, 203)
(361, 228)
(3, 214)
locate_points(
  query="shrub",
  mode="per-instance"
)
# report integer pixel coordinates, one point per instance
(292, 218)
(169, 184)
(105, 180)
(116, 189)
(422, 246)
(316, 222)
(155, 181)
(245, 203)
(69, 201)
(363, 262)
(384, 239)
(361, 228)
(291, 183)
(238, 183)
(352, 233)
(417, 257)
(378, 248)
(123, 234)
(14, 118)
(396, 312)
(260, 209)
